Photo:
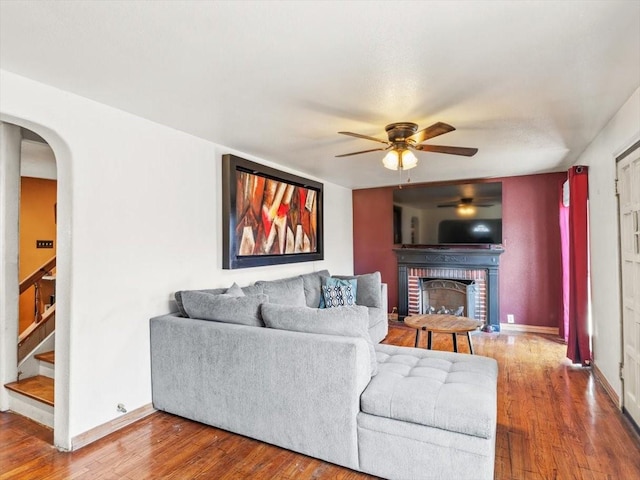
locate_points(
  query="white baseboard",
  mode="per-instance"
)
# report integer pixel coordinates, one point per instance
(607, 386)
(105, 429)
(514, 327)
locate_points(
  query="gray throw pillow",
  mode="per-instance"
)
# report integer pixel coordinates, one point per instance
(368, 292)
(288, 291)
(244, 310)
(235, 290)
(351, 321)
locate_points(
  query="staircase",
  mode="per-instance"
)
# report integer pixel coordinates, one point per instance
(32, 394)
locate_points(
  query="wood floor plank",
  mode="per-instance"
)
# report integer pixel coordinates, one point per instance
(554, 422)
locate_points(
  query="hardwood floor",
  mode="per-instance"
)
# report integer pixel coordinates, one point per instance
(555, 421)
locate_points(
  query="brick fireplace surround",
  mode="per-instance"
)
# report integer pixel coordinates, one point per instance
(466, 263)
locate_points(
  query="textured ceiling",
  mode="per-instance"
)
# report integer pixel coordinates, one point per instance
(528, 83)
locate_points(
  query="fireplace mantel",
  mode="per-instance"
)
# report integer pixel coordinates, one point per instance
(487, 259)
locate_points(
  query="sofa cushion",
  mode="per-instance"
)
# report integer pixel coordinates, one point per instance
(288, 291)
(337, 296)
(312, 283)
(349, 321)
(451, 391)
(368, 293)
(232, 290)
(337, 282)
(242, 310)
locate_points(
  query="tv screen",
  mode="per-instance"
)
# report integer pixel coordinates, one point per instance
(469, 213)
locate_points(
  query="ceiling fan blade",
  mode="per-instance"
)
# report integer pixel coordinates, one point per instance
(464, 151)
(434, 130)
(363, 151)
(357, 135)
(447, 206)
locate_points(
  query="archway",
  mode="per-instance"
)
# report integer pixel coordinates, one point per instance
(10, 169)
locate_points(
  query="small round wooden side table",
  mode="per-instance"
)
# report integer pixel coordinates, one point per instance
(440, 323)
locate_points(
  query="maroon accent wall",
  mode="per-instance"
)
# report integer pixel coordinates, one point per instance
(373, 237)
(530, 268)
(531, 265)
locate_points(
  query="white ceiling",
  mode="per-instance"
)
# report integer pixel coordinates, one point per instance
(528, 83)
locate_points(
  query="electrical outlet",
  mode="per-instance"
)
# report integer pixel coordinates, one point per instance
(511, 318)
(44, 243)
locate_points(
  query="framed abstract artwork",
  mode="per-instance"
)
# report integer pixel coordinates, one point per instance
(269, 217)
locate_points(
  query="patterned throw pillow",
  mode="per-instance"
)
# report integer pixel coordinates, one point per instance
(337, 282)
(337, 295)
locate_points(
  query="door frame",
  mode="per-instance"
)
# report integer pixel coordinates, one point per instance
(628, 151)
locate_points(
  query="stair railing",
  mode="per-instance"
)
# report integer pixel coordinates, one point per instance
(44, 321)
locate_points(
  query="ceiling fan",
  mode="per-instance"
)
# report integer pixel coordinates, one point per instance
(404, 137)
(464, 202)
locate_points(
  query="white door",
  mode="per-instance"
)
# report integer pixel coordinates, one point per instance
(629, 206)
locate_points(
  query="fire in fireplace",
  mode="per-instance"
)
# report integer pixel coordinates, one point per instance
(453, 297)
(456, 279)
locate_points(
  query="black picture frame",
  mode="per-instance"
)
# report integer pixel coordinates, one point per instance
(242, 224)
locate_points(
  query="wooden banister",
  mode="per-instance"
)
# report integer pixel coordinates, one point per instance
(37, 275)
(35, 333)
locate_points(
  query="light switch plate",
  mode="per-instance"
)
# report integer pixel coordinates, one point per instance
(44, 243)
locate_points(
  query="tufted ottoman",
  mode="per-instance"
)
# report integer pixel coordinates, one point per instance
(429, 415)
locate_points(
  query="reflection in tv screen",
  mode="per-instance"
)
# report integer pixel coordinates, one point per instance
(470, 231)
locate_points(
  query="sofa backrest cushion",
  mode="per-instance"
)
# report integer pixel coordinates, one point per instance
(312, 283)
(352, 321)
(242, 310)
(233, 290)
(288, 291)
(368, 293)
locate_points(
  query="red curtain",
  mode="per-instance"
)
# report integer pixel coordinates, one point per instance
(564, 246)
(578, 345)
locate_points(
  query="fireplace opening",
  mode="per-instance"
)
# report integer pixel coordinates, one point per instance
(457, 264)
(448, 296)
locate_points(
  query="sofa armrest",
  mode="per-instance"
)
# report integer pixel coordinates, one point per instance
(384, 296)
(297, 390)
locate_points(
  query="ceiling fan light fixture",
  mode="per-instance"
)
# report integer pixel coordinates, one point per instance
(400, 159)
(466, 210)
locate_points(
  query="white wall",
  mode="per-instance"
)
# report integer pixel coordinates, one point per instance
(37, 160)
(139, 217)
(9, 246)
(620, 133)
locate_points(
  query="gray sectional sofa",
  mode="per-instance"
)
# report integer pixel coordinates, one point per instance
(317, 381)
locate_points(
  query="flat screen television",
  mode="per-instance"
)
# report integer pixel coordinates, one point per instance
(441, 215)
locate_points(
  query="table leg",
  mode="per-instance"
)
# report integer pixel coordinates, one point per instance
(455, 342)
(429, 339)
(418, 336)
(470, 346)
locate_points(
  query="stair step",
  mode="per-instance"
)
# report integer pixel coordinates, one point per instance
(49, 357)
(39, 388)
